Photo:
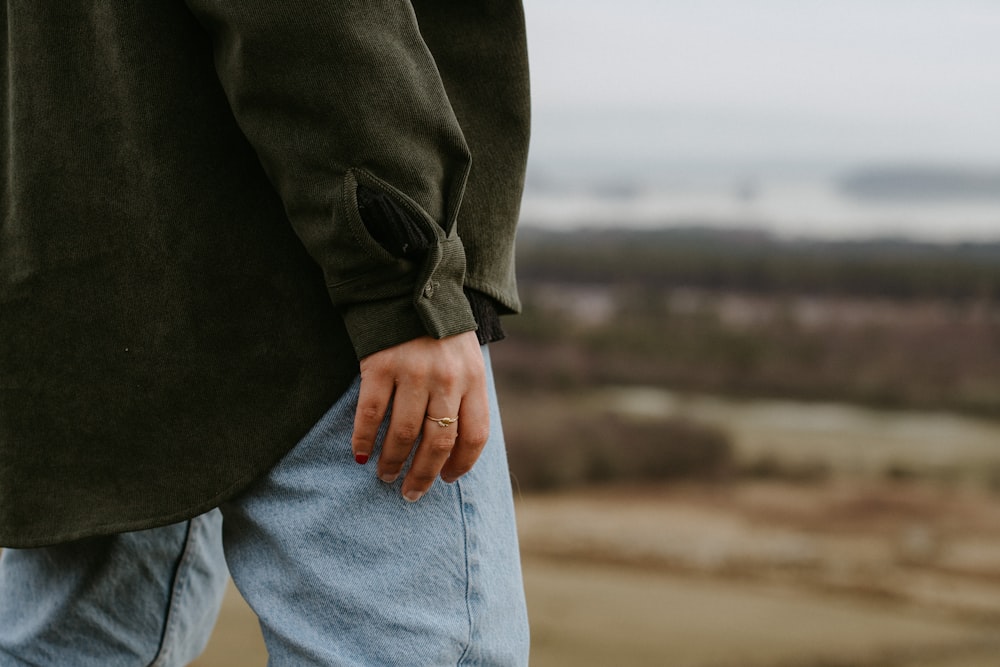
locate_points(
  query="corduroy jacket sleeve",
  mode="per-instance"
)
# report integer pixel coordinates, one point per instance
(333, 95)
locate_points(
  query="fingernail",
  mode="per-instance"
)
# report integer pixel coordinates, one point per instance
(388, 479)
(448, 480)
(412, 496)
(361, 458)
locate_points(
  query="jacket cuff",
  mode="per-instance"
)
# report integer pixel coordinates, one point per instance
(427, 300)
(378, 325)
(384, 299)
(438, 309)
(439, 298)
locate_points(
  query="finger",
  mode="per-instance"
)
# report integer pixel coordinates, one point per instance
(409, 405)
(374, 397)
(436, 445)
(473, 433)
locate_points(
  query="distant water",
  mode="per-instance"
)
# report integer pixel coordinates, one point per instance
(806, 207)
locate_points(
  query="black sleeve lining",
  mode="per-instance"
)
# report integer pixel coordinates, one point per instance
(391, 225)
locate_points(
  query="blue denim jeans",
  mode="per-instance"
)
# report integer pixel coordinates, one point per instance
(338, 567)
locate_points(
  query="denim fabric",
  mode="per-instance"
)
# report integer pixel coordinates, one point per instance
(342, 571)
(339, 568)
(143, 598)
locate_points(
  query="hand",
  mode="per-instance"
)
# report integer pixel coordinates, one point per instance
(424, 377)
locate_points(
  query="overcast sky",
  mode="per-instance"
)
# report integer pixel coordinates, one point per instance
(732, 80)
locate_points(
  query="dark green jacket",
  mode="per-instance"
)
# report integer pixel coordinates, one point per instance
(185, 281)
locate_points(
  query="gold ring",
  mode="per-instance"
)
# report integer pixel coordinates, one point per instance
(443, 422)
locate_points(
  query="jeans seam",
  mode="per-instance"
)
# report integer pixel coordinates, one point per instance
(468, 571)
(176, 588)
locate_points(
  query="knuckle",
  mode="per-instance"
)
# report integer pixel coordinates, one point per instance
(406, 433)
(441, 446)
(478, 437)
(447, 376)
(457, 471)
(362, 440)
(422, 478)
(447, 368)
(392, 457)
(417, 369)
(389, 463)
(369, 413)
(373, 369)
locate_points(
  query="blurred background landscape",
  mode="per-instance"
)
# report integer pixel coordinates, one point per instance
(753, 403)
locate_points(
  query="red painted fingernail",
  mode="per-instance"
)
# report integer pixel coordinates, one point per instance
(361, 458)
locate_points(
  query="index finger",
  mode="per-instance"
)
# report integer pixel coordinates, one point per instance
(374, 397)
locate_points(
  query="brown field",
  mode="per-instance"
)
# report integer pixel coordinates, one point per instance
(656, 619)
(749, 575)
(889, 558)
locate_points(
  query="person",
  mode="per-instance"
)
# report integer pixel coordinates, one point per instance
(247, 246)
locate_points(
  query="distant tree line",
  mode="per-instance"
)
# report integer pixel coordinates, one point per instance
(753, 261)
(928, 336)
